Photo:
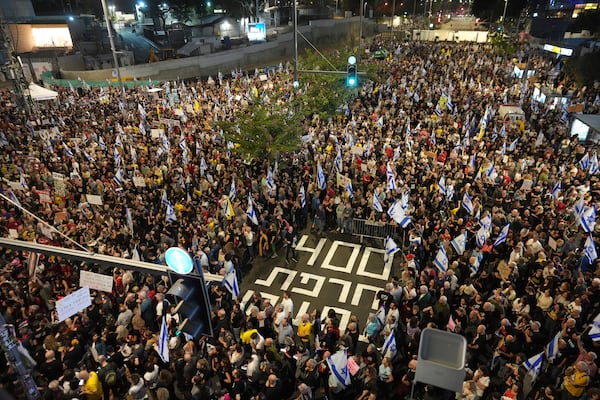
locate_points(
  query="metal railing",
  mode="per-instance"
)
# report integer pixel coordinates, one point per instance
(371, 229)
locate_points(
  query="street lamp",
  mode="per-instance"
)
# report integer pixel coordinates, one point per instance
(111, 40)
(138, 12)
(504, 14)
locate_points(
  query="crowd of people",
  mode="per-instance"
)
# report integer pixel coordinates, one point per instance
(132, 174)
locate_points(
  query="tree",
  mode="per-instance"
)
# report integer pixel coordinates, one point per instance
(492, 10)
(264, 130)
(584, 69)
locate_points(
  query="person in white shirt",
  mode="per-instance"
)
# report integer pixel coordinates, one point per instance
(288, 304)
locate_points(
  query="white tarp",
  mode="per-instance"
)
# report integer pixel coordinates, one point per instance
(511, 111)
(39, 93)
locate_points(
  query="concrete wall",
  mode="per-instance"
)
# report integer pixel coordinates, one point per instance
(444, 35)
(322, 33)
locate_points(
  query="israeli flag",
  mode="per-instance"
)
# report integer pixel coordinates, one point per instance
(251, 212)
(68, 151)
(376, 203)
(203, 166)
(391, 182)
(117, 156)
(503, 150)
(533, 365)
(449, 104)
(231, 283)
(170, 215)
(338, 365)
(584, 163)
(404, 200)
(129, 219)
(475, 266)
(232, 191)
(390, 249)
(339, 161)
(380, 316)
(182, 144)
(486, 222)
(588, 219)
(441, 259)
(438, 110)
(270, 180)
(101, 143)
(502, 236)
(302, 195)
(490, 172)
(589, 249)
(513, 145)
(119, 177)
(164, 200)
(472, 162)
(397, 213)
(552, 347)
(349, 189)
(450, 192)
(481, 236)
(556, 190)
(389, 346)
(442, 186)
(595, 331)
(460, 243)
(163, 341)
(14, 199)
(432, 138)
(142, 111)
(467, 204)
(594, 167)
(578, 209)
(23, 182)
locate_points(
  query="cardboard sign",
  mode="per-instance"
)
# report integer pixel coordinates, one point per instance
(73, 303)
(96, 281)
(94, 199)
(139, 181)
(45, 196)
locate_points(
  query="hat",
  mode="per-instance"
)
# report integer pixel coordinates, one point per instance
(410, 256)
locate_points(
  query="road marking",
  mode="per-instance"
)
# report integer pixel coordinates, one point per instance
(343, 320)
(358, 294)
(346, 285)
(274, 272)
(272, 297)
(305, 278)
(349, 263)
(362, 266)
(314, 251)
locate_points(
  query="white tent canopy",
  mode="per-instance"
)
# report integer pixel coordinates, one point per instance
(39, 93)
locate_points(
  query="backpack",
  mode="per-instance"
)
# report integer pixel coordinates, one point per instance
(111, 378)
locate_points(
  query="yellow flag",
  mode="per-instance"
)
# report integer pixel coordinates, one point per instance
(196, 105)
(229, 213)
(158, 111)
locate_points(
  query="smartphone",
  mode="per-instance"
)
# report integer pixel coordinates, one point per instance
(81, 382)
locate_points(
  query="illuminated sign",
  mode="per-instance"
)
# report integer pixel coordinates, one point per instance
(52, 37)
(257, 31)
(558, 50)
(579, 8)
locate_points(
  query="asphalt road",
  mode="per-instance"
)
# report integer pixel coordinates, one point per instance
(332, 271)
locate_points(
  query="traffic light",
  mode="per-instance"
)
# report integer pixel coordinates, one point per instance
(193, 305)
(351, 72)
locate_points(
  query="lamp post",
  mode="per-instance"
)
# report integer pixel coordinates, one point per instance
(138, 12)
(504, 14)
(112, 43)
(393, 13)
(360, 33)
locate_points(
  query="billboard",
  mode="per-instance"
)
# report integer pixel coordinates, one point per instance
(257, 31)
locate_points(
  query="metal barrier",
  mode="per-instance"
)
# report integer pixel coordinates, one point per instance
(364, 228)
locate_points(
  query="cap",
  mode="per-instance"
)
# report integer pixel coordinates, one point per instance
(409, 256)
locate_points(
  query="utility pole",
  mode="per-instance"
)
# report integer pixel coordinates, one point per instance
(112, 43)
(296, 82)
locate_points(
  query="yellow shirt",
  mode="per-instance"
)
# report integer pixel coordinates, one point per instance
(576, 383)
(93, 388)
(304, 331)
(245, 336)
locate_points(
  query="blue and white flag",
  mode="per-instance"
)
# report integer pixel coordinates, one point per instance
(467, 204)
(129, 219)
(589, 249)
(476, 263)
(376, 203)
(88, 157)
(302, 195)
(163, 341)
(502, 236)
(472, 162)
(389, 346)
(391, 182)
(594, 167)
(481, 236)
(556, 190)
(552, 347)
(339, 161)
(441, 259)
(14, 198)
(594, 333)
(116, 156)
(182, 144)
(432, 138)
(442, 185)
(232, 191)
(450, 192)
(142, 111)
(438, 110)
(404, 200)
(231, 283)
(397, 213)
(390, 249)
(490, 172)
(513, 145)
(534, 364)
(338, 365)
(349, 189)
(380, 316)
(164, 200)
(486, 221)
(460, 243)
(68, 151)
(321, 181)
(270, 180)
(588, 219)
(203, 166)
(101, 143)
(119, 177)
(23, 182)
(251, 212)
(170, 214)
(449, 104)
(584, 163)
(578, 209)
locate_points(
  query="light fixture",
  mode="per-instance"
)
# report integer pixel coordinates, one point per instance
(179, 260)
